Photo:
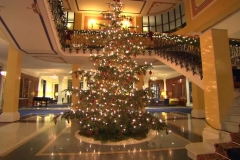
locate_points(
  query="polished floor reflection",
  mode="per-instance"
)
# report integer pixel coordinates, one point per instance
(37, 137)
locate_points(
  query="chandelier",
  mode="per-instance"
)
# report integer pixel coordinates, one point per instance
(153, 78)
(54, 76)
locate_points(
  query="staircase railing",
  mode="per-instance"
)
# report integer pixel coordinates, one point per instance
(181, 50)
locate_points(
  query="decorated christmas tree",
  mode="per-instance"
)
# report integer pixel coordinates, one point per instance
(112, 109)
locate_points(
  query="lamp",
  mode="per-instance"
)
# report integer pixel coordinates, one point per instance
(56, 95)
(163, 93)
(54, 76)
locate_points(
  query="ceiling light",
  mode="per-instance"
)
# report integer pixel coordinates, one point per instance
(54, 76)
(153, 78)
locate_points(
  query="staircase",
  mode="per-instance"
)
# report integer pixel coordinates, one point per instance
(227, 146)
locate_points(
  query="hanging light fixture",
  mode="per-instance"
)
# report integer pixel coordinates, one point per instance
(54, 76)
(152, 77)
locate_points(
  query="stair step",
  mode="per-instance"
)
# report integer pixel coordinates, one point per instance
(236, 101)
(211, 142)
(215, 141)
(194, 149)
(224, 148)
(211, 156)
(235, 137)
(231, 126)
(235, 110)
(235, 118)
(226, 136)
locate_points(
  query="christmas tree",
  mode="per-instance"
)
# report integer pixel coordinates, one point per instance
(112, 109)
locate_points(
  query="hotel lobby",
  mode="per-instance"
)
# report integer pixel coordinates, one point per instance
(191, 52)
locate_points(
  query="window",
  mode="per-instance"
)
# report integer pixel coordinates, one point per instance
(70, 20)
(167, 22)
(158, 19)
(81, 85)
(152, 23)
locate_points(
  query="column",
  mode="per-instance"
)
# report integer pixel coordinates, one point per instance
(75, 83)
(165, 88)
(60, 89)
(85, 83)
(217, 78)
(3, 77)
(139, 24)
(78, 22)
(198, 110)
(188, 93)
(12, 84)
(40, 87)
(65, 86)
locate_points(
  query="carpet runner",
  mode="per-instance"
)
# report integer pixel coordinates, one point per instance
(225, 151)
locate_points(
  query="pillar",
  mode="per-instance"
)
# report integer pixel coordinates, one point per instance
(75, 83)
(165, 88)
(217, 77)
(3, 77)
(78, 21)
(40, 87)
(198, 110)
(12, 84)
(139, 24)
(188, 103)
(65, 86)
(60, 89)
(85, 83)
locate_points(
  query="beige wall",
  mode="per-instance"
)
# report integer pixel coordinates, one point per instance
(213, 13)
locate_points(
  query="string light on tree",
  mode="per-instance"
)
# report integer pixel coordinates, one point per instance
(111, 108)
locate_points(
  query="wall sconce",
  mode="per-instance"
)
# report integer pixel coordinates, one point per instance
(3, 73)
(91, 23)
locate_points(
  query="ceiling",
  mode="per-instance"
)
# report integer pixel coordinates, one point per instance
(133, 7)
(32, 32)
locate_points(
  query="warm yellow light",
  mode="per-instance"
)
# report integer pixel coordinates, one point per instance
(163, 93)
(126, 23)
(91, 23)
(145, 29)
(3, 73)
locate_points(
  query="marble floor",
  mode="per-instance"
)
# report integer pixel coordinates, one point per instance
(37, 137)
